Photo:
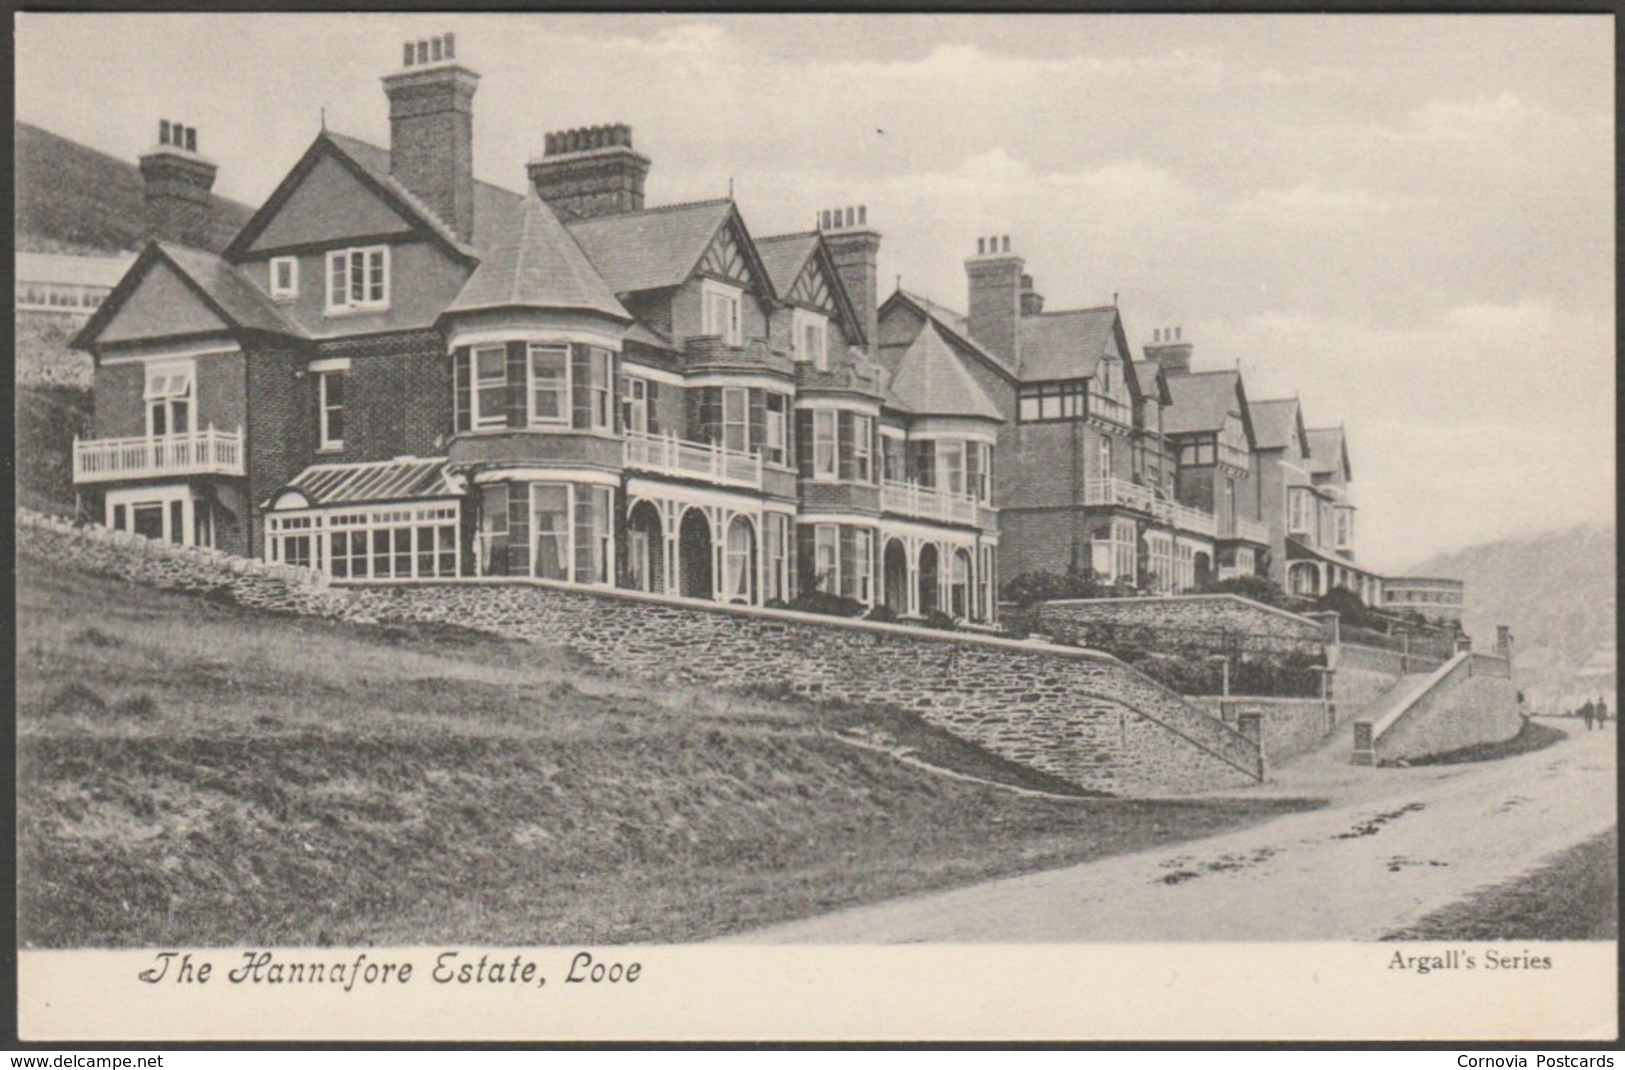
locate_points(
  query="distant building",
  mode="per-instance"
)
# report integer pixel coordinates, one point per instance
(1434, 597)
(64, 285)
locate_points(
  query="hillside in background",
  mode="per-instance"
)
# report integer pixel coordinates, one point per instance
(74, 199)
(1556, 591)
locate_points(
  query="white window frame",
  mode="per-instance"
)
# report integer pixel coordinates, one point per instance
(736, 560)
(278, 290)
(863, 564)
(600, 389)
(1299, 510)
(568, 536)
(776, 545)
(863, 448)
(1343, 521)
(603, 533)
(741, 425)
(476, 422)
(820, 416)
(565, 393)
(346, 302)
(733, 297)
(827, 536)
(952, 447)
(802, 345)
(776, 428)
(324, 409)
(166, 394)
(635, 405)
(1125, 565)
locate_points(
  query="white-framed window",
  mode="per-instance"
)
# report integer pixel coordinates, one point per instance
(863, 557)
(983, 491)
(1300, 515)
(987, 586)
(824, 444)
(330, 408)
(810, 337)
(598, 565)
(358, 279)
(1161, 561)
(1185, 567)
(736, 418)
(549, 385)
(169, 400)
(550, 519)
(827, 557)
(1105, 458)
(490, 381)
(600, 388)
(1245, 562)
(167, 514)
(493, 557)
(635, 404)
(776, 448)
(776, 541)
(739, 563)
(393, 542)
(721, 311)
(951, 467)
(1345, 528)
(1124, 536)
(284, 276)
(863, 449)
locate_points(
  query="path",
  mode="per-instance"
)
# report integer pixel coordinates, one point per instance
(1393, 845)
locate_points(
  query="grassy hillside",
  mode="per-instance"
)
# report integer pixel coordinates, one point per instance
(192, 773)
(73, 199)
(1557, 591)
(48, 417)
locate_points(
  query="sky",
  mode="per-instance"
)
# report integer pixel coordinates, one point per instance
(1405, 221)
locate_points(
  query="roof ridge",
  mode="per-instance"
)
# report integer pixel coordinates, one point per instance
(788, 235)
(656, 208)
(1069, 311)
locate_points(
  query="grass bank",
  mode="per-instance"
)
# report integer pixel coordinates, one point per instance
(191, 773)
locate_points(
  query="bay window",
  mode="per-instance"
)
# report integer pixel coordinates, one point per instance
(490, 387)
(776, 449)
(736, 418)
(549, 385)
(594, 550)
(827, 557)
(777, 543)
(550, 517)
(824, 444)
(863, 551)
(1300, 510)
(951, 466)
(600, 383)
(863, 433)
(1051, 401)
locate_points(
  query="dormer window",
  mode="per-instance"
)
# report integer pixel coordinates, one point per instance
(358, 279)
(284, 276)
(721, 312)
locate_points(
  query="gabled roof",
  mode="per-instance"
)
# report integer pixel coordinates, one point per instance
(1328, 452)
(785, 255)
(371, 165)
(1273, 421)
(953, 327)
(656, 248)
(930, 381)
(1201, 401)
(1066, 345)
(537, 264)
(402, 479)
(217, 283)
(1148, 373)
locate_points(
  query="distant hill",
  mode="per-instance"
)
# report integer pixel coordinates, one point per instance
(73, 199)
(1556, 591)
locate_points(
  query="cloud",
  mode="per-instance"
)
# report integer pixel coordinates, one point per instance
(1308, 205)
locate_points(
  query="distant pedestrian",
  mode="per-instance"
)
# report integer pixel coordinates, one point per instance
(1602, 713)
(1589, 712)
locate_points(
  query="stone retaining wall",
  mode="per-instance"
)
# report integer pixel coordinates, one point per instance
(1292, 726)
(1210, 612)
(1080, 715)
(1363, 675)
(1469, 701)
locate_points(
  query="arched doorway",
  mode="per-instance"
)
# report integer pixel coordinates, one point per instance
(1304, 578)
(645, 548)
(1204, 570)
(959, 585)
(928, 578)
(894, 570)
(739, 563)
(694, 555)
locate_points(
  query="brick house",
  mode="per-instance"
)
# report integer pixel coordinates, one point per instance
(398, 372)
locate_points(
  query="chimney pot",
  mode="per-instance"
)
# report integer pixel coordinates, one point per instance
(407, 61)
(435, 45)
(191, 139)
(451, 46)
(863, 215)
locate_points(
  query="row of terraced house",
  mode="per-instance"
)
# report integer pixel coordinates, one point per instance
(398, 372)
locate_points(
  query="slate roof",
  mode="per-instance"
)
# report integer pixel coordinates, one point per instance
(402, 479)
(375, 161)
(1065, 345)
(1145, 373)
(956, 325)
(1327, 450)
(1272, 422)
(784, 256)
(535, 263)
(652, 249)
(930, 381)
(1201, 401)
(243, 303)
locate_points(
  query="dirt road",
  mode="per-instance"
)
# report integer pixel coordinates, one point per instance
(1394, 844)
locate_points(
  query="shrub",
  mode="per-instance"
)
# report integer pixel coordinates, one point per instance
(882, 613)
(830, 605)
(1256, 588)
(940, 620)
(1031, 588)
(1347, 605)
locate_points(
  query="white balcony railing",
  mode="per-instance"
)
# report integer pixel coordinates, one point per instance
(911, 499)
(1251, 530)
(1121, 492)
(672, 456)
(208, 452)
(1195, 521)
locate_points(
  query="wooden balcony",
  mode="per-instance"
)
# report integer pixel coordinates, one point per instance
(1248, 530)
(911, 499)
(201, 453)
(1126, 495)
(669, 455)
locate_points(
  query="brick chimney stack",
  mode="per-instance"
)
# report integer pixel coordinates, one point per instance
(1170, 351)
(176, 184)
(855, 247)
(589, 172)
(995, 302)
(1032, 302)
(431, 130)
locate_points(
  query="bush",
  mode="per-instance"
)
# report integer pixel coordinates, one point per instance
(830, 605)
(940, 620)
(1256, 588)
(882, 613)
(1031, 588)
(1348, 605)
(48, 418)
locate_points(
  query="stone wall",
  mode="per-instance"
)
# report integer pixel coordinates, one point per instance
(1205, 612)
(1470, 700)
(1292, 726)
(1077, 714)
(1363, 675)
